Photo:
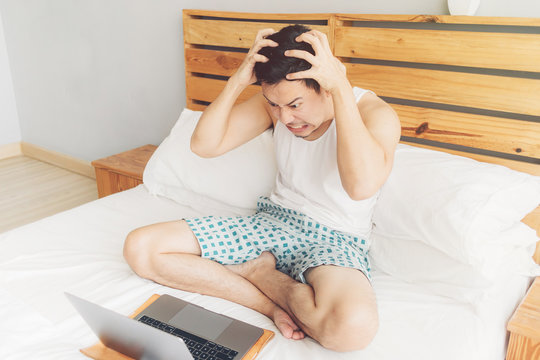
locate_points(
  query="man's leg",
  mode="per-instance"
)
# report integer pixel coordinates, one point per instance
(169, 254)
(338, 308)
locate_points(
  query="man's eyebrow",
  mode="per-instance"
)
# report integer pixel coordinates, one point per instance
(271, 102)
(267, 99)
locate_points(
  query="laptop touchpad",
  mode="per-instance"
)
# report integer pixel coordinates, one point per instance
(200, 322)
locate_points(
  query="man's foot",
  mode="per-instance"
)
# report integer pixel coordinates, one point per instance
(251, 268)
(286, 325)
(262, 265)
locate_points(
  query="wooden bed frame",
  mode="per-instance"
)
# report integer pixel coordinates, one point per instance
(465, 85)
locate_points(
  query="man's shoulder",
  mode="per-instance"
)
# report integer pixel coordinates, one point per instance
(359, 93)
(379, 117)
(255, 109)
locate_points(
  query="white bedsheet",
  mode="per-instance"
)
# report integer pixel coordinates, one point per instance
(80, 251)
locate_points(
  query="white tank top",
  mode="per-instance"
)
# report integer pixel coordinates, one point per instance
(308, 181)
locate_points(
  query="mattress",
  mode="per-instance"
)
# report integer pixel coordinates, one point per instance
(80, 251)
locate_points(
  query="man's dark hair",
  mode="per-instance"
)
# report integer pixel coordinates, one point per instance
(278, 65)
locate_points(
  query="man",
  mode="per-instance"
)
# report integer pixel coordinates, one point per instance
(302, 258)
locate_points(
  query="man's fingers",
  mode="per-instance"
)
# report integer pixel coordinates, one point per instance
(311, 39)
(264, 33)
(323, 39)
(266, 42)
(261, 41)
(306, 74)
(302, 54)
(320, 35)
(260, 58)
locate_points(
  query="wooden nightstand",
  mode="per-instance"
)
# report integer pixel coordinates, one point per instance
(121, 171)
(524, 327)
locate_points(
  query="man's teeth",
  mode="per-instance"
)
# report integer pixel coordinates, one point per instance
(296, 127)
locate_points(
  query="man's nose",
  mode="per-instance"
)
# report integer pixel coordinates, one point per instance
(285, 115)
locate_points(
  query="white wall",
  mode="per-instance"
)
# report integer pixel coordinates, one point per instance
(517, 8)
(9, 123)
(96, 77)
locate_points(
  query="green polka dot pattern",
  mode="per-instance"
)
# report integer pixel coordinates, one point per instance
(297, 241)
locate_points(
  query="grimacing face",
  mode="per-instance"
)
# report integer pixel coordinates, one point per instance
(306, 113)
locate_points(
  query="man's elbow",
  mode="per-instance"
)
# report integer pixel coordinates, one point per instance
(199, 150)
(362, 191)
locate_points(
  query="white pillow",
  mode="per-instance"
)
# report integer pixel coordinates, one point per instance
(230, 183)
(416, 262)
(453, 224)
(455, 204)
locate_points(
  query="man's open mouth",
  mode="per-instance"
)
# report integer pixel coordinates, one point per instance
(297, 128)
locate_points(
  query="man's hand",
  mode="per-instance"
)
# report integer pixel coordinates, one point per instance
(326, 69)
(245, 74)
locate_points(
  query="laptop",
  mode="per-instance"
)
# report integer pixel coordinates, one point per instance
(170, 328)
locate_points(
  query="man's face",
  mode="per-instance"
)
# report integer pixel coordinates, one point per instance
(299, 108)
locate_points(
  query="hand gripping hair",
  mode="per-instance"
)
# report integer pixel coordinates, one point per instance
(278, 65)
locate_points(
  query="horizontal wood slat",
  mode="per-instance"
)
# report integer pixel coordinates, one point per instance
(195, 106)
(471, 90)
(483, 132)
(459, 48)
(257, 16)
(205, 89)
(239, 34)
(529, 168)
(442, 19)
(212, 62)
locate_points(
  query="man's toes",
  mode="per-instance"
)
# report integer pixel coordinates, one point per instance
(298, 335)
(285, 329)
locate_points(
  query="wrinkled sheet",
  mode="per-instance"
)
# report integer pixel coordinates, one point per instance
(80, 251)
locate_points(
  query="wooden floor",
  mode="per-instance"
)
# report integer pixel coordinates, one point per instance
(31, 190)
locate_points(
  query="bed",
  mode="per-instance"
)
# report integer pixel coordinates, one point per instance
(464, 87)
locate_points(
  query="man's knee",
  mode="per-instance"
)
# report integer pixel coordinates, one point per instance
(144, 246)
(348, 328)
(137, 252)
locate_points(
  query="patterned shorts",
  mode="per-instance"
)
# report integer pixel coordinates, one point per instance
(297, 241)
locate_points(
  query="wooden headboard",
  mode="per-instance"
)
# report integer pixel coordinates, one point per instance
(464, 85)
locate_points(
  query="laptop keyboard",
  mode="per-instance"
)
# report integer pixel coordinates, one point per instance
(198, 347)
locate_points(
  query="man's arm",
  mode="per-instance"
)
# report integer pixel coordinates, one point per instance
(367, 135)
(224, 126)
(367, 132)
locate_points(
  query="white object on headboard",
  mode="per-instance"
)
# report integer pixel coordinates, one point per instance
(463, 7)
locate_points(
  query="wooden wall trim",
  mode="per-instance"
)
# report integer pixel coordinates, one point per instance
(67, 162)
(10, 150)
